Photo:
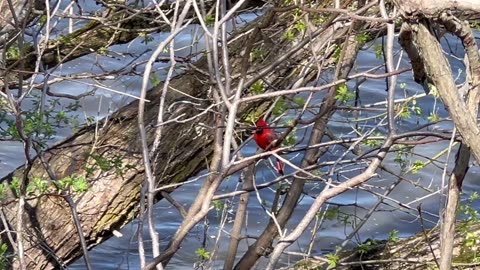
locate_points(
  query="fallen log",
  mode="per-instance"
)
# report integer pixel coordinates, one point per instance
(420, 251)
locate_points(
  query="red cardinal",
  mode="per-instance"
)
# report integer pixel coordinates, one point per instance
(264, 136)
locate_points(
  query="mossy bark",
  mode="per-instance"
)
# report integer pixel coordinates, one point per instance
(420, 251)
(109, 156)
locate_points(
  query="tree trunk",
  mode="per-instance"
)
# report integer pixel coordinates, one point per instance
(109, 156)
(413, 253)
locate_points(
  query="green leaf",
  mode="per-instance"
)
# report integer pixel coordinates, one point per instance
(202, 254)
(13, 52)
(280, 107)
(210, 20)
(257, 87)
(433, 117)
(300, 101)
(378, 49)
(300, 26)
(289, 35)
(362, 38)
(146, 37)
(102, 51)
(218, 205)
(332, 213)
(343, 94)
(80, 184)
(393, 236)
(40, 185)
(3, 190)
(337, 53)
(256, 54)
(417, 166)
(332, 260)
(154, 80)
(15, 185)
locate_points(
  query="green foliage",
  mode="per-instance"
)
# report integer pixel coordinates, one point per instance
(473, 197)
(406, 109)
(42, 20)
(403, 154)
(332, 213)
(90, 120)
(202, 254)
(433, 117)
(299, 101)
(471, 238)
(468, 210)
(102, 51)
(289, 35)
(318, 19)
(40, 123)
(66, 40)
(417, 166)
(252, 117)
(73, 183)
(210, 20)
(366, 247)
(332, 260)
(39, 185)
(218, 205)
(279, 108)
(154, 79)
(15, 185)
(257, 54)
(3, 255)
(378, 49)
(373, 143)
(432, 90)
(393, 236)
(475, 25)
(415, 108)
(146, 37)
(290, 139)
(80, 184)
(362, 38)
(299, 26)
(3, 190)
(34, 125)
(257, 87)
(105, 164)
(337, 53)
(343, 94)
(13, 52)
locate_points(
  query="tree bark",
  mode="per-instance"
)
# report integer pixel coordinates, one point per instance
(117, 25)
(108, 155)
(110, 159)
(413, 253)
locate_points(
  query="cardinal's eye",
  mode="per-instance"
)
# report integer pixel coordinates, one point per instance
(259, 131)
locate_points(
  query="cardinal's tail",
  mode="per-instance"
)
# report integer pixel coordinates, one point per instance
(279, 166)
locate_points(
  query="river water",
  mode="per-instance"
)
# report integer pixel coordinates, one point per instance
(121, 252)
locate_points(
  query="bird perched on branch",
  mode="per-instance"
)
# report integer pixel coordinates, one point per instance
(265, 138)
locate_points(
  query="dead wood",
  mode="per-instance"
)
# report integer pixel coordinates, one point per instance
(413, 253)
(108, 155)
